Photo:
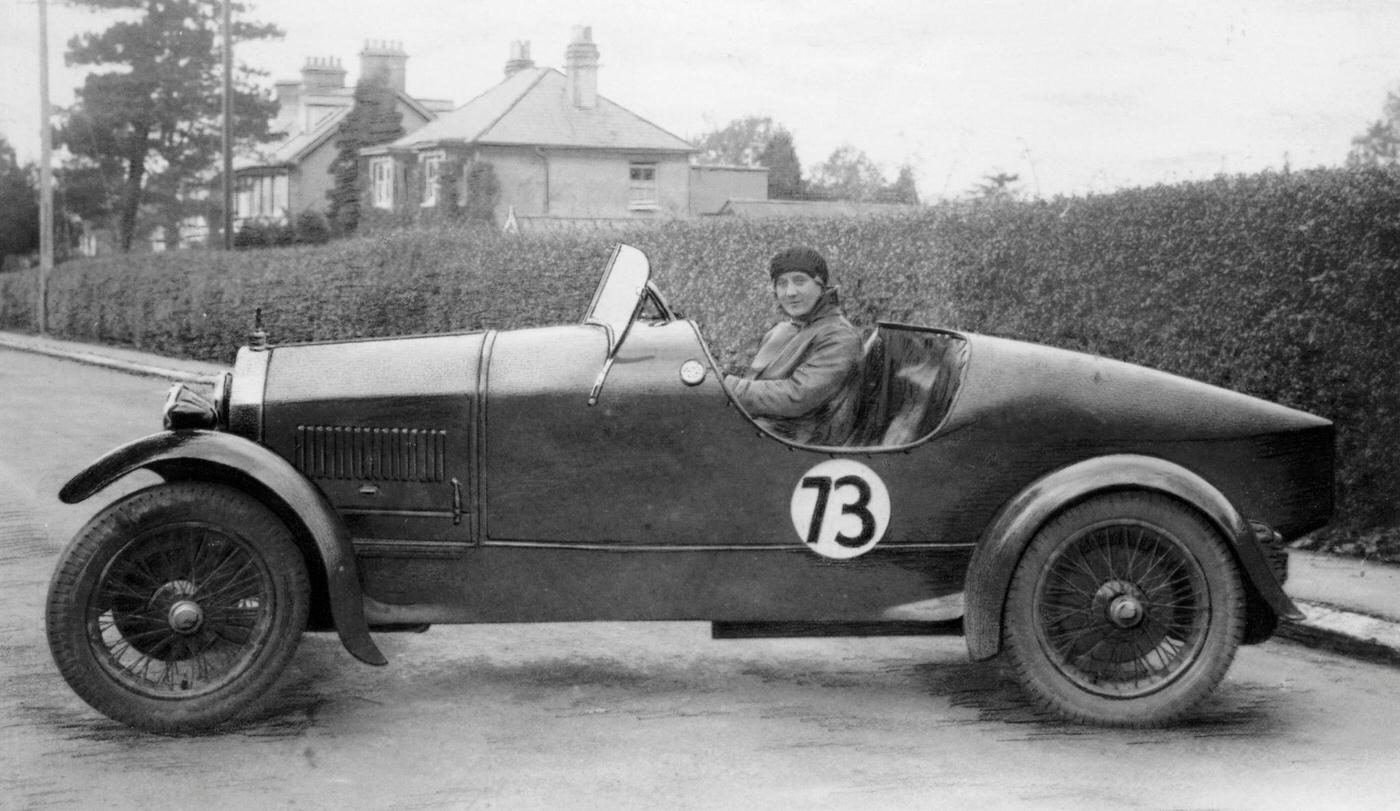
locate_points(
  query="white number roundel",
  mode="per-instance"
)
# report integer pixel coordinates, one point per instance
(840, 509)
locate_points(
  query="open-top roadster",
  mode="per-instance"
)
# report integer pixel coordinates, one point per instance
(1115, 532)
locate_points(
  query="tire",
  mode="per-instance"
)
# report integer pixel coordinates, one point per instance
(177, 607)
(1125, 610)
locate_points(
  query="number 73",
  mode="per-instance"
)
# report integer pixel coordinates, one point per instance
(859, 507)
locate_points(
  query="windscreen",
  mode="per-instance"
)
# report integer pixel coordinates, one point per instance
(622, 287)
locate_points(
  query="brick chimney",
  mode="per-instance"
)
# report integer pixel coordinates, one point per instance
(581, 57)
(386, 60)
(321, 73)
(519, 58)
(288, 105)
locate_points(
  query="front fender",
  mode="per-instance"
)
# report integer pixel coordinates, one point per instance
(192, 454)
(999, 550)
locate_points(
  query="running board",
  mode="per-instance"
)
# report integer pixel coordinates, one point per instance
(781, 630)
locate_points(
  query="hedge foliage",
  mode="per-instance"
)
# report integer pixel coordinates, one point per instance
(1285, 286)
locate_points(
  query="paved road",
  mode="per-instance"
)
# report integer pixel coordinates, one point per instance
(630, 716)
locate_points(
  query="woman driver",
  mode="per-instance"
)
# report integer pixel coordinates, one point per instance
(803, 382)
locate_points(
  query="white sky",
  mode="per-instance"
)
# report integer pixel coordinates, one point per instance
(1073, 95)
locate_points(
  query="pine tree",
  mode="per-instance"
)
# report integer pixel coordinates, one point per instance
(784, 170)
(19, 206)
(374, 119)
(153, 121)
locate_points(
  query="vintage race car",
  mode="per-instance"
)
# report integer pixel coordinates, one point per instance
(1112, 531)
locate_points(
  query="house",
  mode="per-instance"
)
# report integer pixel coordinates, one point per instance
(294, 174)
(547, 150)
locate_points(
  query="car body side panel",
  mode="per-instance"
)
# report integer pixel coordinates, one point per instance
(385, 428)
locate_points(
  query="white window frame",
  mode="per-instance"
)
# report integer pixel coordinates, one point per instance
(431, 165)
(281, 198)
(262, 196)
(381, 173)
(243, 199)
(642, 192)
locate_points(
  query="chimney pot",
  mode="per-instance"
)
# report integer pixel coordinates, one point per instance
(581, 58)
(386, 60)
(519, 58)
(322, 73)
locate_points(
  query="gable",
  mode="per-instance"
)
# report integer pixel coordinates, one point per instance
(295, 149)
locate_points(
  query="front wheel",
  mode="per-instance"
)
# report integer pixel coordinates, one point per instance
(178, 606)
(1125, 610)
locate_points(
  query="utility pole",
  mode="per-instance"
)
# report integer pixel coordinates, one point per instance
(45, 172)
(228, 129)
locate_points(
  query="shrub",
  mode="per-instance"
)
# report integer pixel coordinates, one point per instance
(483, 192)
(263, 234)
(250, 235)
(312, 228)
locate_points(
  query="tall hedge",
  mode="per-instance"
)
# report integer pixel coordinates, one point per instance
(1285, 286)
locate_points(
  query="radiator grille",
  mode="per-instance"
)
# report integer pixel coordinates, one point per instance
(376, 454)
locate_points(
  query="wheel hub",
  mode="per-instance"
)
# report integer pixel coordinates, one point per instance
(186, 616)
(1125, 611)
(1120, 602)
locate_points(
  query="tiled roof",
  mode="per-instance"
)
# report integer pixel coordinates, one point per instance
(532, 108)
(296, 148)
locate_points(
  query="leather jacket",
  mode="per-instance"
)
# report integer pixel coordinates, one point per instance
(803, 382)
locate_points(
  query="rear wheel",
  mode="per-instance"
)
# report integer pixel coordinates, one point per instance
(177, 606)
(1125, 610)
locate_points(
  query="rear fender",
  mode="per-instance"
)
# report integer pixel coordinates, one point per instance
(998, 552)
(199, 454)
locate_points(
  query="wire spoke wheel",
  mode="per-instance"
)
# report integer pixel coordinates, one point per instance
(177, 606)
(1125, 610)
(181, 610)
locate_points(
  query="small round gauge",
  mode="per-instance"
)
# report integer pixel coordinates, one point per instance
(692, 373)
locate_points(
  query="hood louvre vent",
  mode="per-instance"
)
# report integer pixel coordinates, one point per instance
(373, 454)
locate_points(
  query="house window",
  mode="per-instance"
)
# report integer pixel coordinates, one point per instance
(381, 175)
(432, 167)
(641, 186)
(263, 197)
(243, 203)
(281, 198)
